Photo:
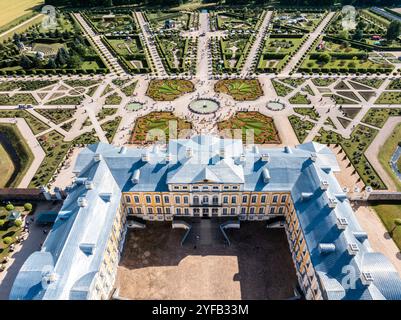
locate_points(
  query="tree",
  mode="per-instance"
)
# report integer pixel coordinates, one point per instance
(393, 30)
(9, 207)
(25, 62)
(358, 34)
(324, 58)
(51, 64)
(397, 223)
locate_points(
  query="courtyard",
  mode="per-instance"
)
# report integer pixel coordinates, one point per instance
(257, 265)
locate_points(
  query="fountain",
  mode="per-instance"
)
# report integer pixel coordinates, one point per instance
(204, 106)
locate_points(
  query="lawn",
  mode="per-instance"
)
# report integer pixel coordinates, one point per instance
(387, 213)
(311, 112)
(299, 98)
(355, 148)
(18, 98)
(300, 127)
(157, 121)
(378, 116)
(113, 99)
(281, 89)
(168, 90)
(55, 147)
(57, 115)
(34, 123)
(389, 97)
(15, 12)
(110, 128)
(263, 127)
(240, 90)
(6, 166)
(386, 151)
(14, 148)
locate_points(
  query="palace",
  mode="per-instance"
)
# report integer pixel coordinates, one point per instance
(207, 177)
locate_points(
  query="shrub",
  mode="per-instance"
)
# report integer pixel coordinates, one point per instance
(28, 206)
(7, 240)
(2, 222)
(9, 207)
(18, 223)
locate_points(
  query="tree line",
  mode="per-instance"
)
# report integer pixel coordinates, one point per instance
(314, 3)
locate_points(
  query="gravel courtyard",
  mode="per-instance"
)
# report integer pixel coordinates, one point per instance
(257, 265)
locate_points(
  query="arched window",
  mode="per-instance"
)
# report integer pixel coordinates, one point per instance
(196, 200)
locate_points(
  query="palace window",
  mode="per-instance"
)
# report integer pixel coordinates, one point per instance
(281, 210)
(215, 200)
(224, 211)
(243, 210)
(186, 200)
(252, 210)
(261, 210)
(232, 210)
(168, 210)
(166, 199)
(150, 210)
(148, 199)
(177, 200)
(272, 209)
(139, 210)
(205, 199)
(136, 199)
(178, 211)
(128, 199)
(159, 210)
(225, 199)
(283, 198)
(263, 199)
(186, 211)
(233, 199)
(130, 211)
(253, 199)
(196, 200)
(157, 199)
(244, 199)
(275, 199)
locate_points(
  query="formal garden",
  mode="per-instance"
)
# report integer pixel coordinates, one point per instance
(247, 123)
(229, 53)
(337, 55)
(130, 52)
(241, 20)
(169, 89)
(172, 20)
(378, 116)
(115, 22)
(281, 89)
(277, 50)
(62, 50)
(299, 19)
(160, 122)
(110, 128)
(354, 149)
(240, 89)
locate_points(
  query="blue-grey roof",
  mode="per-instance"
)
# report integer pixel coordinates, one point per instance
(74, 248)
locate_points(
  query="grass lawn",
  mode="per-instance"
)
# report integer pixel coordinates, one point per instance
(110, 128)
(14, 149)
(299, 98)
(168, 90)
(387, 213)
(157, 121)
(378, 116)
(387, 150)
(281, 89)
(113, 99)
(14, 12)
(6, 166)
(18, 98)
(55, 147)
(301, 128)
(355, 148)
(240, 90)
(263, 127)
(389, 97)
(308, 112)
(34, 123)
(57, 115)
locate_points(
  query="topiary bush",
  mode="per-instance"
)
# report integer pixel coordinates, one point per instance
(9, 207)
(18, 223)
(7, 240)
(28, 206)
